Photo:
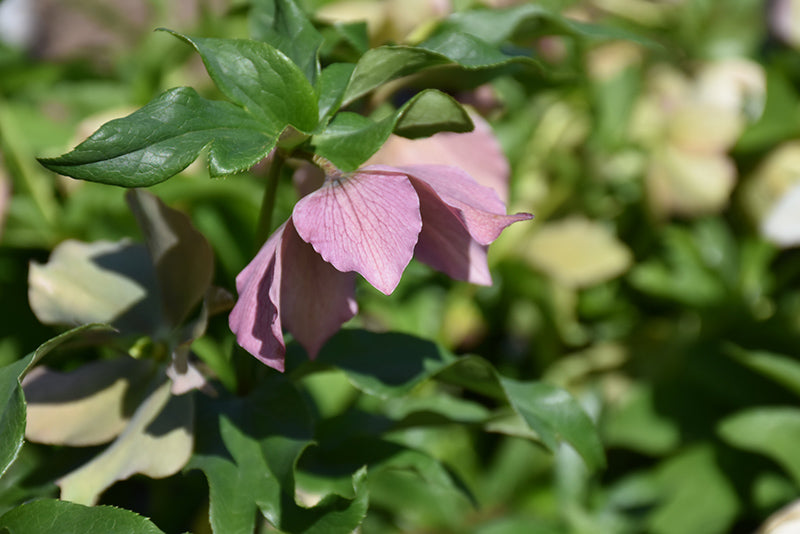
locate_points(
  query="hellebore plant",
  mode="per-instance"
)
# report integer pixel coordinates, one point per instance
(367, 217)
(371, 222)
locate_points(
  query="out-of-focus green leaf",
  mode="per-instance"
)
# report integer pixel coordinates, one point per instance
(165, 136)
(96, 282)
(12, 399)
(88, 406)
(556, 416)
(184, 262)
(344, 41)
(350, 139)
(687, 479)
(261, 79)
(391, 365)
(49, 516)
(380, 65)
(157, 442)
(782, 369)
(771, 431)
(282, 24)
(527, 21)
(634, 422)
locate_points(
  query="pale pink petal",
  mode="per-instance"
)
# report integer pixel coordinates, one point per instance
(479, 207)
(316, 299)
(255, 319)
(366, 222)
(477, 152)
(446, 245)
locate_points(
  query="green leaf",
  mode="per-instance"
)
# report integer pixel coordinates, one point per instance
(184, 262)
(344, 41)
(771, 431)
(433, 112)
(164, 137)
(261, 79)
(282, 24)
(248, 448)
(784, 370)
(386, 63)
(12, 400)
(555, 416)
(350, 139)
(331, 86)
(391, 365)
(688, 479)
(157, 442)
(41, 517)
(527, 21)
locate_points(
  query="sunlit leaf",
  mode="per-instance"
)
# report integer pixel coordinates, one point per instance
(48, 516)
(12, 399)
(157, 442)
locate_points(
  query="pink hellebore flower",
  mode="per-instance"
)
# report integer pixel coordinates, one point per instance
(371, 222)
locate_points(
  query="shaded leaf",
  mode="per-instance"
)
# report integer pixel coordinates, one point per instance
(87, 406)
(96, 282)
(165, 136)
(391, 365)
(431, 113)
(784, 370)
(157, 442)
(184, 262)
(12, 399)
(331, 86)
(40, 517)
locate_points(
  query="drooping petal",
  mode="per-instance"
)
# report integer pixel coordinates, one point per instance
(316, 299)
(366, 222)
(255, 319)
(445, 243)
(479, 207)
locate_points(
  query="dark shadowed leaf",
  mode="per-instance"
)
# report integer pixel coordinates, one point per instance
(50, 516)
(183, 259)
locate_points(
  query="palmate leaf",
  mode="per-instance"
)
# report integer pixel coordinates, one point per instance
(269, 95)
(391, 365)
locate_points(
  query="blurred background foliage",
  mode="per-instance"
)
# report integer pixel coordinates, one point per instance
(659, 282)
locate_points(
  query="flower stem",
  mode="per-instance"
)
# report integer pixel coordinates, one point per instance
(268, 201)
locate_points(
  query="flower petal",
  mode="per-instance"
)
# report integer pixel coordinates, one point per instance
(255, 318)
(479, 207)
(366, 222)
(316, 299)
(477, 152)
(445, 243)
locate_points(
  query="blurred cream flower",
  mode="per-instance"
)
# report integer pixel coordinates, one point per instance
(772, 195)
(577, 252)
(387, 20)
(688, 125)
(784, 21)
